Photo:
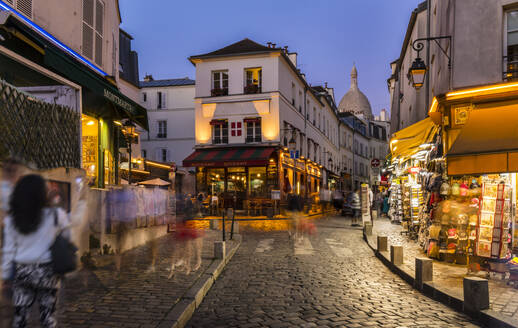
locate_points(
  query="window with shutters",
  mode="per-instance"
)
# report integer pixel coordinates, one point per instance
(220, 133)
(93, 27)
(219, 83)
(162, 129)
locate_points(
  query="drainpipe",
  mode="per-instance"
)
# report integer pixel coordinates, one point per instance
(306, 137)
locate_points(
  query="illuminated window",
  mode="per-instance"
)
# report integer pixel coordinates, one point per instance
(511, 49)
(90, 144)
(253, 80)
(219, 83)
(93, 25)
(253, 130)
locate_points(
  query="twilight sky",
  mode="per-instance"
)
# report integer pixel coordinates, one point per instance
(328, 35)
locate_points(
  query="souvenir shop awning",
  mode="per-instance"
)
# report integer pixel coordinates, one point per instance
(225, 157)
(488, 143)
(407, 141)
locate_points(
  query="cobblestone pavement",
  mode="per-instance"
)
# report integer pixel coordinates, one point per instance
(330, 279)
(503, 298)
(135, 298)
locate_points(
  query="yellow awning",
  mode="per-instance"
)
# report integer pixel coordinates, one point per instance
(406, 142)
(488, 143)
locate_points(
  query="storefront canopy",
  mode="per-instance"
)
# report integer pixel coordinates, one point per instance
(31, 41)
(407, 141)
(488, 143)
(224, 157)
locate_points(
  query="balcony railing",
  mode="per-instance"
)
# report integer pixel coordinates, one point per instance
(510, 69)
(216, 92)
(252, 88)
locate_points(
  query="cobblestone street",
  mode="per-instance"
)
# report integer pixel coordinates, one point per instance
(330, 279)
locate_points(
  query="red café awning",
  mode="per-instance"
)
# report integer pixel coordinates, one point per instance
(229, 157)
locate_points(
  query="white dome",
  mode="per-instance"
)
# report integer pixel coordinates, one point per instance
(354, 101)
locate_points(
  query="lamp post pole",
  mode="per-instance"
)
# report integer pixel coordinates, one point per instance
(129, 130)
(129, 163)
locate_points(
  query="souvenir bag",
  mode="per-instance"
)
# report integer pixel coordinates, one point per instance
(63, 252)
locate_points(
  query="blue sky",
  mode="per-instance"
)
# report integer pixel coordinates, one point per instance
(328, 35)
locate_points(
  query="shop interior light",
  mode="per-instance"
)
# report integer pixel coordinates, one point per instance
(118, 123)
(217, 176)
(90, 122)
(258, 175)
(483, 90)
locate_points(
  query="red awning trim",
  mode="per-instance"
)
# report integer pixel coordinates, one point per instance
(252, 120)
(218, 122)
(253, 156)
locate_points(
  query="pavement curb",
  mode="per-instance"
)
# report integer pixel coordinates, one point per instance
(182, 311)
(489, 318)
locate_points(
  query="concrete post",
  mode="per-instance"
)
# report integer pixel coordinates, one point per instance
(367, 229)
(214, 224)
(219, 250)
(423, 271)
(382, 243)
(476, 294)
(396, 254)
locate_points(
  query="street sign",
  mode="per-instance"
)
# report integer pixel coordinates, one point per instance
(294, 154)
(375, 162)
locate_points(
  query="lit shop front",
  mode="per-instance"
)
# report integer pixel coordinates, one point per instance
(455, 188)
(244, 173)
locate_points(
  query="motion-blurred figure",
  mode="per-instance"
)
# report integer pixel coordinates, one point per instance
(187, 241)
(356, 207)
(30, 230)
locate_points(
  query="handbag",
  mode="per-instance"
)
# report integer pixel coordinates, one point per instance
(62, 252)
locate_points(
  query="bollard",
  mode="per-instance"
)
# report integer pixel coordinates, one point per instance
(382, 243)
(236, 227)
(367, 229)
(219, 250)
(396, 254)
(214, 224)
(269, 213)
(423, 271)
(476, 294)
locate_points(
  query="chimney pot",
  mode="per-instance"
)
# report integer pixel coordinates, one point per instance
(269, 44)
(273, 45)
(325, 83)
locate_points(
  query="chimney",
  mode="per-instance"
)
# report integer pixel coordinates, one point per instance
(269, 44)
(148, 77)
(293, 57)
(273, 45)
(325, 85)
(286, 50)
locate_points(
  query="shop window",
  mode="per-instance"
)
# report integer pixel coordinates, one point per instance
(253, 80)
(93, 25)
(90, 146)
(220, 133)
(162, 129)
(216, 181)
(201, 179)
(109, 168)
(219, 83)
(257, 181)
(236, 180)
(253, 130)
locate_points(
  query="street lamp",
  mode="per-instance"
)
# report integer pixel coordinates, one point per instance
(417, 71)
(292, 144)
(129, 131)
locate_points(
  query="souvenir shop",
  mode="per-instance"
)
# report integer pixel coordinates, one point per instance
(453, 183)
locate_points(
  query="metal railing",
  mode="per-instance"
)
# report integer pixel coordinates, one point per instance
(510, 68)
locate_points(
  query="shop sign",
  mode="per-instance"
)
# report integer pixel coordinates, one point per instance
(461, 114)
(375, 162)
(288, 161)
(119, 101)
(300, 165)
(276, 194)
(294, 154)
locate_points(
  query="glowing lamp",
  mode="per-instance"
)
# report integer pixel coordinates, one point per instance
(417, 73)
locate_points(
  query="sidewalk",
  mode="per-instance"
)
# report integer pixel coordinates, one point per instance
(135, 298)
(447, 278)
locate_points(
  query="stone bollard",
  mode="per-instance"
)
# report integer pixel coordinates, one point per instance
(367, 229)
(230, 213)
(214, 224)
(423, 271)
(476, 294)
(382, 243)
(219, 250)
(396, 254)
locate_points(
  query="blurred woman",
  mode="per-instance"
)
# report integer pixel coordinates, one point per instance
(30, 229)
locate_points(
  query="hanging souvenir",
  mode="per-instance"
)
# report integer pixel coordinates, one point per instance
(463, 189)
(445, 189)
(455, 189)
(474, 184)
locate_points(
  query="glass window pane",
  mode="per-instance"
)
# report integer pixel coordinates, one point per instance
(512, 20)
(512, 38)
(257, 181)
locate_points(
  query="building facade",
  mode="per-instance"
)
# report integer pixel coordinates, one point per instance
(77, 41)
(251, 104)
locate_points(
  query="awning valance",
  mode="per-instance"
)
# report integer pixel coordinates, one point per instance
(488, 143)
(405, 142)
(225, 157)
(252, 120)
(218, 122)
